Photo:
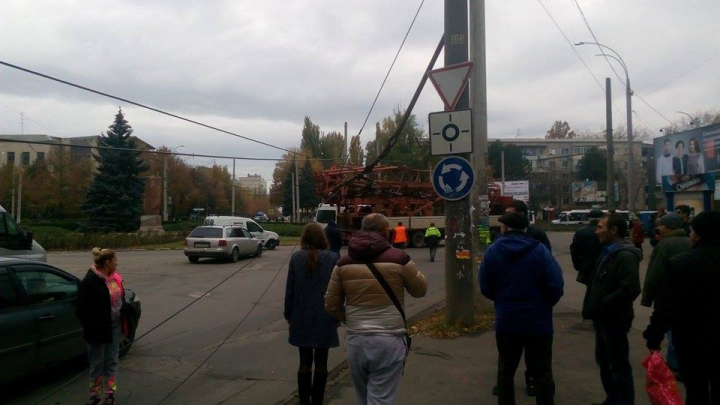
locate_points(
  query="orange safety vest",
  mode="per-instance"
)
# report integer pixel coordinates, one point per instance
(400, 235)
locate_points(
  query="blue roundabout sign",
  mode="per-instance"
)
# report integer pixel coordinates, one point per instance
(453, 178)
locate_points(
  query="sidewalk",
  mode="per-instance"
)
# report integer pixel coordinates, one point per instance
(463, 370)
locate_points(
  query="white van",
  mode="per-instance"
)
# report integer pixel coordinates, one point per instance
(14, 243)
(269, 239)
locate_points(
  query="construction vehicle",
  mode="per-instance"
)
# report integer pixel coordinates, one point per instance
(400, 193)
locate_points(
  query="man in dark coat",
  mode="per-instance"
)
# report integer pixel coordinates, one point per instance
(687, 304)
(334, 237)
(519, 206)
(525, 281)
(586, 248)
(613, 287)
(680, 161)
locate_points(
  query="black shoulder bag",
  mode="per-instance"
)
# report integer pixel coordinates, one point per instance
(393, 298)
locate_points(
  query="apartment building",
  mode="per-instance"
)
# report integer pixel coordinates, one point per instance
(253, 184)
(555, 168)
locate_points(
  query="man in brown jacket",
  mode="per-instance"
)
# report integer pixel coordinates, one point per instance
(376, 347)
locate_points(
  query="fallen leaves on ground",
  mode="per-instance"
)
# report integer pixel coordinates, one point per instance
(435, 326)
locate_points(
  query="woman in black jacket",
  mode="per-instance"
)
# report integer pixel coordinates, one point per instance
(100, 299)
(312, 330)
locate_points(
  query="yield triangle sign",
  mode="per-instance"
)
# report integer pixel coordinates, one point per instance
(450, 82)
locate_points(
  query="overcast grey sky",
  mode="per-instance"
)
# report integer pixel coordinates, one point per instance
(258, 67)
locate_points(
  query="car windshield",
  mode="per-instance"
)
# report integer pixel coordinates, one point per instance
(206, 233)
(325, 216)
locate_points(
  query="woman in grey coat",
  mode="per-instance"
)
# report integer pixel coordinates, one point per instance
(312, 330)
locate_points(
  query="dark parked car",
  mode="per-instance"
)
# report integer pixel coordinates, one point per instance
(38, 327)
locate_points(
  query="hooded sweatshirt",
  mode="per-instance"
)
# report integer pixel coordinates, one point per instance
(354, 295)
(525, 281)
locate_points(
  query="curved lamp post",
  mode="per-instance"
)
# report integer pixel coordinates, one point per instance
(628, 96)
(693, 120)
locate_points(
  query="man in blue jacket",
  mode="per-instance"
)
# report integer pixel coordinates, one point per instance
(522, 277)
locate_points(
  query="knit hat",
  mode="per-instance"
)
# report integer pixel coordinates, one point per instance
(672, 220)
(514, 220)
(707, 225)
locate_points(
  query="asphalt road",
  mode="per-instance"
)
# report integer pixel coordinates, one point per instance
(236, 332)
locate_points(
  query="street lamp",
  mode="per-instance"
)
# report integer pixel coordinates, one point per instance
(628, 95)
(693, 121)
(165, 180)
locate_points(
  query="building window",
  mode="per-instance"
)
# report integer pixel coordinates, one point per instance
(565, 164)
(11, 158)
(565, 151)
(566, 189)
(551, 151)
(552, 164)
(25, 158)
(566, 201)
(40, 156)
(563, 176)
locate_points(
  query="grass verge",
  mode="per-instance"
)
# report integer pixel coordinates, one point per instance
(436, 327)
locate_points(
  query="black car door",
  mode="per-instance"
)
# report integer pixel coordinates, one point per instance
(18, 332)
(51, 296)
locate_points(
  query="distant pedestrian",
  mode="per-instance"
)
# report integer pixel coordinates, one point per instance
(613, 287)
(637, 233)
(376, 329)
(334, 237)
(519, 206)
(673, 241)
(586, 248)
(525, 281)
(432, 240)
(312, 330)
(400, 237)
(684, 212)
(688, 305)
(99, 308)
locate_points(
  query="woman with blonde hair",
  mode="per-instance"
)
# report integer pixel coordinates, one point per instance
(99, 305)
(312, 330)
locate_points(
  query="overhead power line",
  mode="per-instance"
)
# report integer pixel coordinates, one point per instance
(685, 73)
(146, 107)
(402, 44)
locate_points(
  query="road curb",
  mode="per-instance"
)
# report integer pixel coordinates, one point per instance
(341, 370)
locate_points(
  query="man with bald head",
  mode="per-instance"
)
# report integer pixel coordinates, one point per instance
(376, 330)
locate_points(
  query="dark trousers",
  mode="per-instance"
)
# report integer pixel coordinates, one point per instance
(538, 358)
(400, 245)
(612, 356)
(433, 250)
(701, 377)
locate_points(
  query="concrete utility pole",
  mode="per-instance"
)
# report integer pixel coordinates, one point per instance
(232, 210)
(297, 190)
(294, 208)
(502, 170)
(480, 208)
(18, 219)
(610, 148)
(460, 299)
(345, 151)
(165, 188)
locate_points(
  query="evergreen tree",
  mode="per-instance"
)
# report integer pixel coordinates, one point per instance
(114, 201)
(309, 198)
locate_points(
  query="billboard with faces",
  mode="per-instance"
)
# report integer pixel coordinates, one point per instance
(690, 152)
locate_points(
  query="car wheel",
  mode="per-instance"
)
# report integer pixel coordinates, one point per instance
(235, 256)
(270, 245)
(258, 252)
(417, 239)
(193, 259)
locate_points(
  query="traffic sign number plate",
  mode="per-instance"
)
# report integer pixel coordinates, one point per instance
(450, 132)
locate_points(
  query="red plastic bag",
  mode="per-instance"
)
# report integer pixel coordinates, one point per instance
(661, 386)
